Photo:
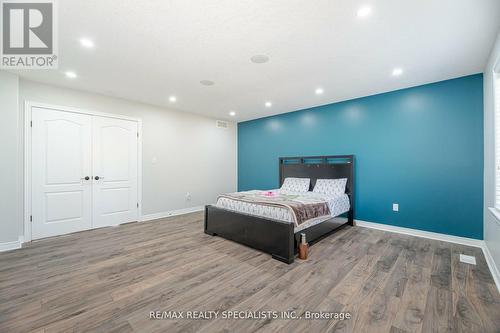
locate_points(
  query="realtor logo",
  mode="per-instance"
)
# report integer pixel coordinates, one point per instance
(28, 34)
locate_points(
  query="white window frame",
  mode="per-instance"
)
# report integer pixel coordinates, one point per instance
(496, 105)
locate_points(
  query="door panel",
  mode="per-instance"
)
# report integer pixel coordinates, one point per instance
(64, 205)
(114, 161)
(115, 152)
(61, 157)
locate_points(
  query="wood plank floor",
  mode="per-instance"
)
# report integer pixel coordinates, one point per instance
(109, 280)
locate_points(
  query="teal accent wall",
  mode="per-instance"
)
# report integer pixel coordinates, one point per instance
(421, 147)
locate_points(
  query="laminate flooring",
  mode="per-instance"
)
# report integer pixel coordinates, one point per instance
(111, 279)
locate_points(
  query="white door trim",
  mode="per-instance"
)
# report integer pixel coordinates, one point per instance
(28, 105)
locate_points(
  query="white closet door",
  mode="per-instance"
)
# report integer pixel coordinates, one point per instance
(114, 162)
(61, 159)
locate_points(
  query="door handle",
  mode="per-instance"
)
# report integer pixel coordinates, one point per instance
(86, 178)
(97, 177)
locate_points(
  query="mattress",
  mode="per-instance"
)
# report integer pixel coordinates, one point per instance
(338, 205)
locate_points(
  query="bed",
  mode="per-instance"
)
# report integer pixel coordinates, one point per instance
(254, 218)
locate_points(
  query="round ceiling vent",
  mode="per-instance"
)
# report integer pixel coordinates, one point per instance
(259, 59)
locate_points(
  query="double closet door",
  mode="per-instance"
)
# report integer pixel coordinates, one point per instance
(84, 172)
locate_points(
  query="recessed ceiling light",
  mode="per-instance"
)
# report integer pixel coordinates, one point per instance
(71, 75)
(207, 82)
(364, 11)
(259, 59)
(172, 99)
(85, 42)
(268, 104)
(232, 113)
(397, 71)
(319, 91)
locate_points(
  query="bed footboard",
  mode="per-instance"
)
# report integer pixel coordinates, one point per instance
(271, 236)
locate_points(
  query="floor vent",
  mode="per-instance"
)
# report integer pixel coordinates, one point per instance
(468, 259)
(221, 124)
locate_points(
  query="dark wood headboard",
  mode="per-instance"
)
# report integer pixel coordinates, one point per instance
(319, 167)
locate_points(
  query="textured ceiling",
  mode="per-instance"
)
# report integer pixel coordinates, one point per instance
(149, 50)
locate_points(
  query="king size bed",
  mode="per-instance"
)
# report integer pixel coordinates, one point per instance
(316, 197)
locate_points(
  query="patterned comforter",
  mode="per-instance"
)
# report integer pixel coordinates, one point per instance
(303, 207)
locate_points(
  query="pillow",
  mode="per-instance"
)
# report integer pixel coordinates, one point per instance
(330, 186)
(296, 185)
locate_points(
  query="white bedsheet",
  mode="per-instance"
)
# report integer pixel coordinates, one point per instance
(338, 205)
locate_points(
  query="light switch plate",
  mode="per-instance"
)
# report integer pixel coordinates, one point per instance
(468, 259)
(395, 207)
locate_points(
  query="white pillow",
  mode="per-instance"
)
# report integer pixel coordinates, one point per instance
(330, 186)
(296, 185)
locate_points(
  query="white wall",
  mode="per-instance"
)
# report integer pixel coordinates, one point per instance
(191, 153)
(491, 225)
(9, 170)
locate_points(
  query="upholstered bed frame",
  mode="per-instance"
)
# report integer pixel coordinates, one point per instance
(277, 237)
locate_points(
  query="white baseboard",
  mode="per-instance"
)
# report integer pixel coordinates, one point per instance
(421, 233)
(162, 215)
(7, 246)
(491, 264)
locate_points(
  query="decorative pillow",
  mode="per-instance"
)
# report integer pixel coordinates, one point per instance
(330, 186)
(296, 185)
